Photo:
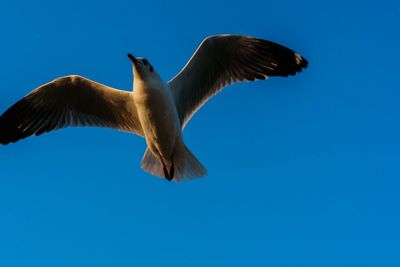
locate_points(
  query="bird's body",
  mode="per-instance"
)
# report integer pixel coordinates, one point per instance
(158, 117)
(156, 110)
(160, 125)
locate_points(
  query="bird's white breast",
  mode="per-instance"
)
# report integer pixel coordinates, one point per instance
(158, 116)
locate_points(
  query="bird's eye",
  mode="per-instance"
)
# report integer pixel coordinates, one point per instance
(145, 62)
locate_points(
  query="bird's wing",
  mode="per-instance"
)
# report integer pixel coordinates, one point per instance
(69, 101)
(221, 60)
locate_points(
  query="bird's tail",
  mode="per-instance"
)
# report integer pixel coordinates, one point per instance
(186, 166)
(151, 164)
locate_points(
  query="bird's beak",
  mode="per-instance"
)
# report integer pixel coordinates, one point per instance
(133, 59)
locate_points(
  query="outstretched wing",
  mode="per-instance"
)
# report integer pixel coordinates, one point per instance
(221, 60)
(69, 101)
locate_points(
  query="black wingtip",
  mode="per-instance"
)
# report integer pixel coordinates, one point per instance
(9, 134)
(13, 120)
(286, 61)
(303, 63)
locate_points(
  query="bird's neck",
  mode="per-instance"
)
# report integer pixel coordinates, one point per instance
(143, 85)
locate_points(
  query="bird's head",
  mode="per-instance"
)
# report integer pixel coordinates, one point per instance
(142, 68)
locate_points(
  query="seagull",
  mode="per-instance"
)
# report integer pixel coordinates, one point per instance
(155, 110)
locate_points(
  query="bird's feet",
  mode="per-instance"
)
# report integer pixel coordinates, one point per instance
(166, 174)
(169, 175)
(172, 169)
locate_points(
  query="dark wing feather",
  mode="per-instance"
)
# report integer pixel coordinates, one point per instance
(224, 59)
(69, 101)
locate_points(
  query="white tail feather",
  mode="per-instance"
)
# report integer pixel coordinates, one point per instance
(151, 164)
(185, 163)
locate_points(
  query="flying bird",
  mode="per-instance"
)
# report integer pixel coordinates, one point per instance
(155, 110)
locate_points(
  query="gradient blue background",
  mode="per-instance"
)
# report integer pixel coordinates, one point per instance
(302, 171)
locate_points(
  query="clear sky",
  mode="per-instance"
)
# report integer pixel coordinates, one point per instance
(303, 171)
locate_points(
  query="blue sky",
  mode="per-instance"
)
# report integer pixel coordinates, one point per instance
(302, 171)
